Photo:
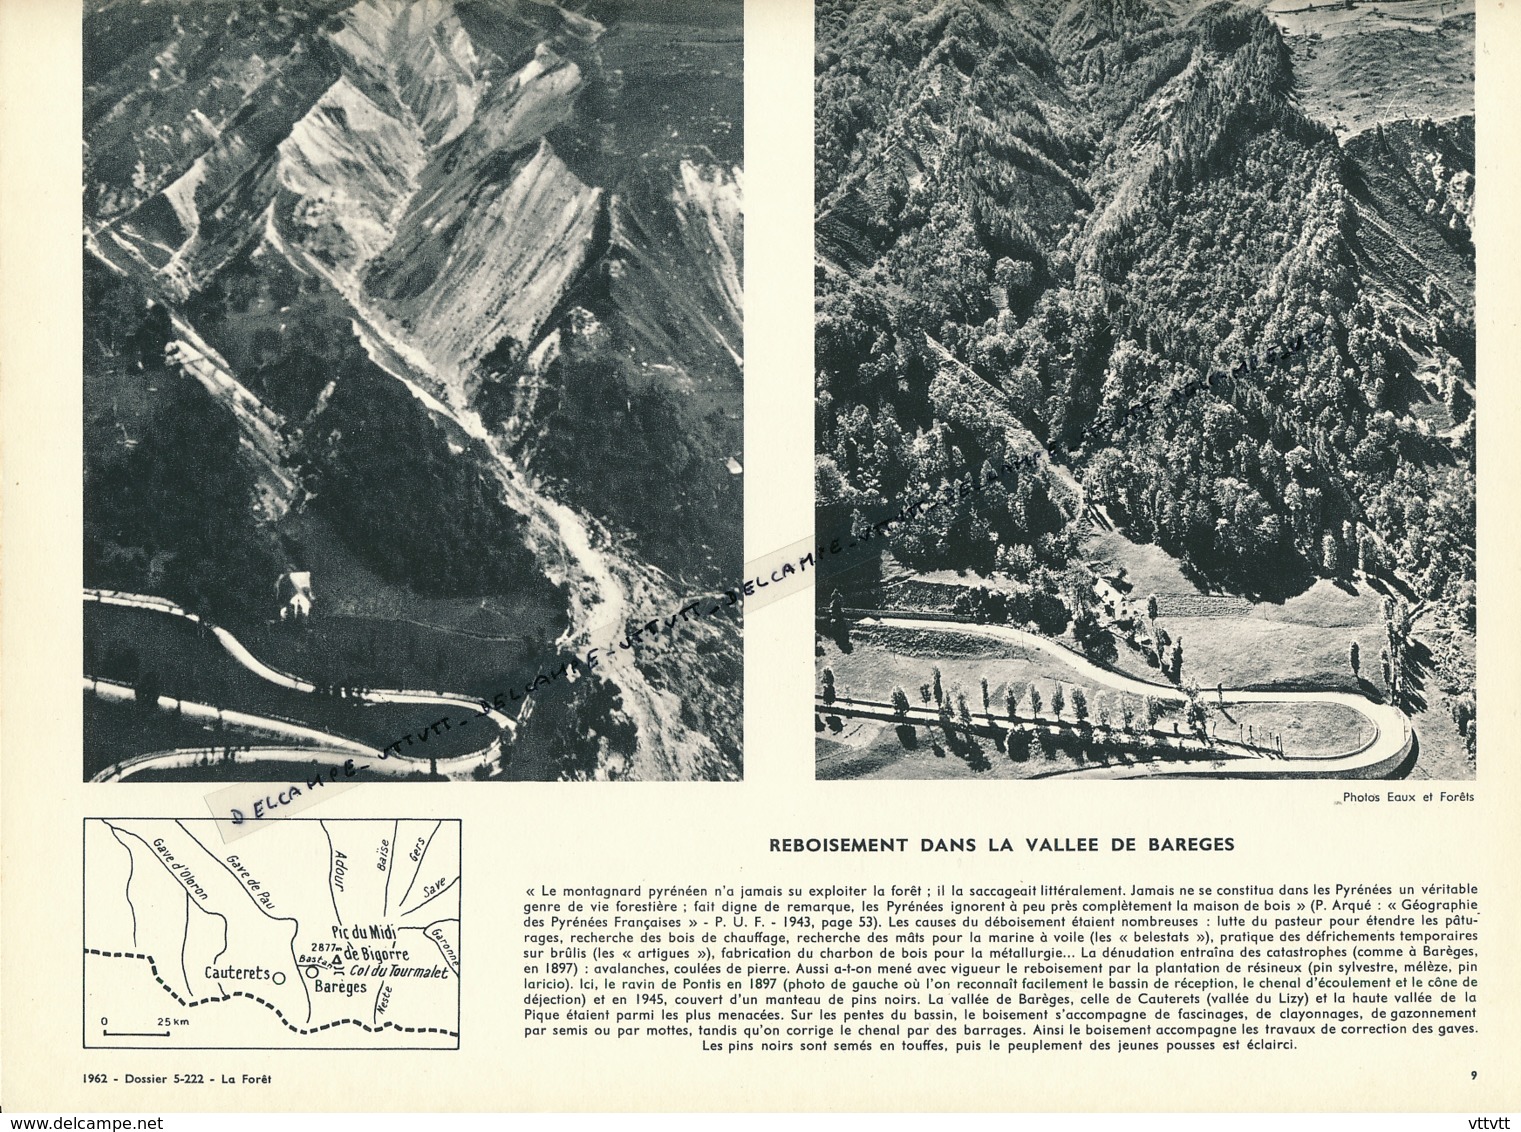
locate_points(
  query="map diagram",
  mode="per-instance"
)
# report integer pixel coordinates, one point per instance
(336, 934)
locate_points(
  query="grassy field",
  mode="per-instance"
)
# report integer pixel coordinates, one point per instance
(1301, 642)
(883, 658)
(868, 748)
(880, 659)
(1379, 62)
(1308, 730)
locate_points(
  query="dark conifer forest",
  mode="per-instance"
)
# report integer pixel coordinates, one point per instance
(1028, 221)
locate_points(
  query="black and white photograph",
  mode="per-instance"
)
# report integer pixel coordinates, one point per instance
(413, 389)
(1145, 389)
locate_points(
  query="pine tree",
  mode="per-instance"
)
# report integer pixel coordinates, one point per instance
(1058, 701)
(1461, 710)
(1330, 556)
(939, 691)
(1196, 711)
(829, 685)
(900, 703)
(1079, 704)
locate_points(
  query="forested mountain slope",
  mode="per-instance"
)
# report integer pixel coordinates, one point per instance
(1032, 216)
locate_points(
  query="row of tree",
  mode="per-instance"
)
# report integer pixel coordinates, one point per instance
(1026, 703)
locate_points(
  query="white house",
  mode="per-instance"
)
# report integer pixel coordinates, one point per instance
(294, 592)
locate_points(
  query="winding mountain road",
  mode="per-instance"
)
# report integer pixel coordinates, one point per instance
(1393, 735)
(323, 748)
(240, 653)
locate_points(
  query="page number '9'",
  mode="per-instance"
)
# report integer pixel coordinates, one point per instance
(1473, 1075)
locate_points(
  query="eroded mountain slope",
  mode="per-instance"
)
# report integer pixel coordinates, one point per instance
(348, 198)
